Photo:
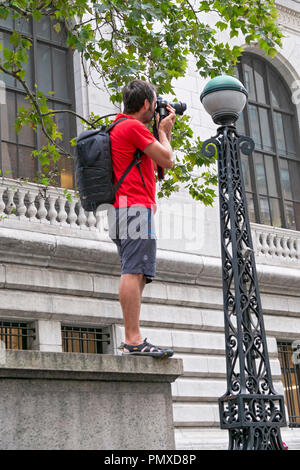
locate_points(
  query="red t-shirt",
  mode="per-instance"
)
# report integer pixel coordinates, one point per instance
(126, 137)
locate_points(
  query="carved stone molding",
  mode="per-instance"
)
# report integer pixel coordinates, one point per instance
(289, 18)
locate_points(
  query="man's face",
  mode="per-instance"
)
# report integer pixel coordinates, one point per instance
(149, 113)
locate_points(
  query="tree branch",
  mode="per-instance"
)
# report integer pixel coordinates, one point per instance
(67, 111)
(19, 10)
(193, 10)
(103, 117)
(90, 123)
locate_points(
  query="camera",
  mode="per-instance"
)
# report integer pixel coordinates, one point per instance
(161, 107)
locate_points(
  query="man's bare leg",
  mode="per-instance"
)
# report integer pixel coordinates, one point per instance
(130, 294)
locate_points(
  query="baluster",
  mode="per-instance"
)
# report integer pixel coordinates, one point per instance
(264, 243)
(11, 207)
(102, 222)
(99, 220)
(278, 245)
(2, 204)
(82, 219)
(21, 208)
(32, 210)
(285, 251)
(258, 245)
(52, 213)
(42, 211)
(261, 251)
(272, 248)
(298, 248)
(255, 240)
(292, 248)
(72, 217)
(91, 221)
(62, 214)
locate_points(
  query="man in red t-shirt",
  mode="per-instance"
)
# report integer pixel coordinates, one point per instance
(131, 221)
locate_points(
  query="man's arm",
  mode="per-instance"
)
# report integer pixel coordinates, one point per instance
(161, 151)
(160, 154)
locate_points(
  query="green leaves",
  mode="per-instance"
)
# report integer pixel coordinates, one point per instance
(152, 40)
(192, 170)
(37, 15)
(15, 38)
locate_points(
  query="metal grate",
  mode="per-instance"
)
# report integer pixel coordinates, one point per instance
(16, 335)
(291, 380)
(84, 340)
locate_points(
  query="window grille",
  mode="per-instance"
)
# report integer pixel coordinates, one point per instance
(85, 340)
(291, 380)
(16, 335)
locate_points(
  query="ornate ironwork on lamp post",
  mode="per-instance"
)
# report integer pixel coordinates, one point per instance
(250, 409)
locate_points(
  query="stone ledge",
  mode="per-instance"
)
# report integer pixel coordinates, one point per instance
(70, 401)
(78, 366)
(100, 257)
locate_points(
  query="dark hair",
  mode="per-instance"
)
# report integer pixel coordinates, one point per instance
(135, 94)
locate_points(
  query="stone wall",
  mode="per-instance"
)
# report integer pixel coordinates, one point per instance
(53, 279)
(56, 401)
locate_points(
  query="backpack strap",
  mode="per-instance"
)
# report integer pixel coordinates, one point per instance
(114, 123)
(137, 157)
(136, 160)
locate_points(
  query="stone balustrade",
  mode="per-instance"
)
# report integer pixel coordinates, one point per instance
(276, 245)
(50, 207)
(34, 207)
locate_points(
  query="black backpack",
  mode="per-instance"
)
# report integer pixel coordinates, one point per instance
(94, 170)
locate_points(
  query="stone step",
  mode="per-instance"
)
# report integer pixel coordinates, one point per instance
(196, 415)
(87, 309)
(203, 438)
(78, 283)
(197, 438)
(204, 390)
(199, 365)
(185, 341)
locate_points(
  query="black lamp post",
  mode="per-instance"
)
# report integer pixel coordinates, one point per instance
(250, 409)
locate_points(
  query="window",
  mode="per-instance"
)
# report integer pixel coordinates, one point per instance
(272, 173)
(85, 340)
(50, 66)
(16, 335)
(291, 380)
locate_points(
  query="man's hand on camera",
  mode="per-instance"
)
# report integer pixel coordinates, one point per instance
(161, 150)
(167, 123)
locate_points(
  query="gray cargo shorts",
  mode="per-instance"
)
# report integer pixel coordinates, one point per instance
(132, 230)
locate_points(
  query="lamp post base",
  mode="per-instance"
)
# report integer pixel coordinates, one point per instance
(258, 438)
(253, 421)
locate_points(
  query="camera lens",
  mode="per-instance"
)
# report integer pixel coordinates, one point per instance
(179, 107)
(161, 106)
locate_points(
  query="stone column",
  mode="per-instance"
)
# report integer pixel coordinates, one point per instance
(48, 336)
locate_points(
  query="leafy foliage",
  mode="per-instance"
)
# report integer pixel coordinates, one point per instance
(152, 40)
